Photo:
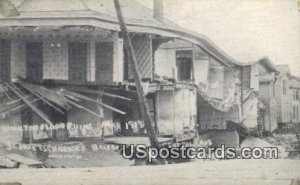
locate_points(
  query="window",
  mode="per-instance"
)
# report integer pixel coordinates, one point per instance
(246, 77)
(294, 112)
(184, 65)
(104, 62)
(297, 113)
(284, 87)
(77, 61)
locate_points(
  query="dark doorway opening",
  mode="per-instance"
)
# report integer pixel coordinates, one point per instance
(4, 61)
(184, 65)
(34, 62)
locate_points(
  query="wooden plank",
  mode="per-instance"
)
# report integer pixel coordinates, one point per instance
(94, 101)
(17, 106)
(42, 98)
(15, 109)
(28, 103)
(90, 91)
(86, 109)
(51, 95)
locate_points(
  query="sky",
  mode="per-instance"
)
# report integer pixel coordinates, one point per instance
(247, 30)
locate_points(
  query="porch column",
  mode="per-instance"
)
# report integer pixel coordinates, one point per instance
(91, 65)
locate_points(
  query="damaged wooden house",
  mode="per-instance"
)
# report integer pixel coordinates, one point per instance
(226, 89)
(267, 105)
(64, 66)
(284, 97)
(65, 73)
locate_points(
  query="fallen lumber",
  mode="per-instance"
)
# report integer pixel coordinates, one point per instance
(16, 106)
(86, 109)
(90, 91)
(48, 94)
(28, 103)
(94, 101)
(23, 106)
(42, 98)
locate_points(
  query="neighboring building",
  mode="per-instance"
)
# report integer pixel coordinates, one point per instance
(284, 96)
(267, 117)
(215, 82)
(295, 87)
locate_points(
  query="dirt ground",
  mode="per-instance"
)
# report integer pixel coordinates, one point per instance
(233, 172)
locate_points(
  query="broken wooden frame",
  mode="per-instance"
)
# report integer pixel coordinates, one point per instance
(58, 100)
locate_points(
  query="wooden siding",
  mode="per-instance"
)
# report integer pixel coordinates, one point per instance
(142, 45)
(176, 111)
(284, 100)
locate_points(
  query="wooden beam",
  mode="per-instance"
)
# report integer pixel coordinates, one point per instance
(42, 98)
(9, 107)
(84, 108)
(90, 91)
(94, 101)
(141, 95)
(28, 103)
(17, 108)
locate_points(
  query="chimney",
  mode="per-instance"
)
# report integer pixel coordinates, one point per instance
(158, 10)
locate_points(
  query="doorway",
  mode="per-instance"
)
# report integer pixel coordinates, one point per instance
(34, 62)
(4, 61)
(184, 65)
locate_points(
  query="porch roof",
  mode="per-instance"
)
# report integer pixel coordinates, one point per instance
(101, 14)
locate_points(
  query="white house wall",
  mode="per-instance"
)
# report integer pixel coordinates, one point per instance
(216, 80)
(176, 111)
(201, 68)
(250, 113)
(165, 63)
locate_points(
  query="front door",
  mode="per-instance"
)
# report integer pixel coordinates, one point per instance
(34, 61)
(77, 62)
